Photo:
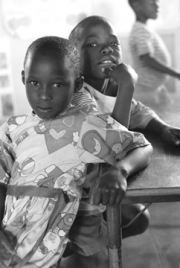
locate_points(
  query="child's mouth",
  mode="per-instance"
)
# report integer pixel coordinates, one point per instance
(107, 63)
(44, 109)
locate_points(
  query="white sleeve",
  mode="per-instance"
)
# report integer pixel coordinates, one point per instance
(141, 115)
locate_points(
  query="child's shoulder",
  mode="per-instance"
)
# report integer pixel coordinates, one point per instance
(140, 27)
(19, 119)
(22, 121)
(85, 100)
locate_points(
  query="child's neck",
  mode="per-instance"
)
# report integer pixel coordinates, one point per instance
(141, 18)
(98, 84)
(95, 83)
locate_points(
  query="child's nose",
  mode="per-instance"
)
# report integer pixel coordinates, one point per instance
(45, 93)
(107, 50)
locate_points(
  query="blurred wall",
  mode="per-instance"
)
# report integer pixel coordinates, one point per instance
(22, 21)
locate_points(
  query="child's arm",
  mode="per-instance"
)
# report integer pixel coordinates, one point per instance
(126, 78)
(160, 67)
(111, 186)
(167, 132)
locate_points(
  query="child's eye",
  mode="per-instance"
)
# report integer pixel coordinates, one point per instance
(34, 83)
(91, 45)
(56, 85)
(116, 44)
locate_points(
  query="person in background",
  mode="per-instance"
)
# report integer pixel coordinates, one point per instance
(44, 157)
(150, 57)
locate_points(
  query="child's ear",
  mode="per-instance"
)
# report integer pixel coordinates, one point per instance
(137, 6)
(23, 77)
(78, 83)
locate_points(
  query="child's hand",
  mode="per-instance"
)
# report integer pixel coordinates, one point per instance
(110, 188)
(121, 73)
(5, 246)
(171, 134)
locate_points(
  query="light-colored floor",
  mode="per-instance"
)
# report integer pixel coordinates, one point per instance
(159, 246)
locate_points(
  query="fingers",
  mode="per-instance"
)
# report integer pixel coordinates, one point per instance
(108, 197)
(97, 197)
(175, 140)
(110, 187)
(172, 135)
(119, 199)
(121, 71)
(176, 133)
(107, 71)
(112, 198)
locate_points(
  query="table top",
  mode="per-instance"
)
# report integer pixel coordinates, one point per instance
(160, 181)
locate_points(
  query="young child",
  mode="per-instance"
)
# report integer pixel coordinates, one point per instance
(150, 56)
(99, 48)
(44, 157)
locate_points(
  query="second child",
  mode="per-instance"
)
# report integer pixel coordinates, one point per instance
(101, 58)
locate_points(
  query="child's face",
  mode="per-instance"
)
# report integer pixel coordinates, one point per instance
(50, 83)
(149, 8)
(99, 48)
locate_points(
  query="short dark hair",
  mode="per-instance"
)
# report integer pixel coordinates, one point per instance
(132, 2)
(76, 31)
(58, 45)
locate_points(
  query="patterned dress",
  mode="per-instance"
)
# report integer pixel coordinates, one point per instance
(43, 163)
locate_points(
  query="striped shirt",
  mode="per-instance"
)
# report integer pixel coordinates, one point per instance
(143, 40)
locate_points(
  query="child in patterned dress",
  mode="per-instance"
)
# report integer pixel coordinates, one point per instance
(44, 157)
